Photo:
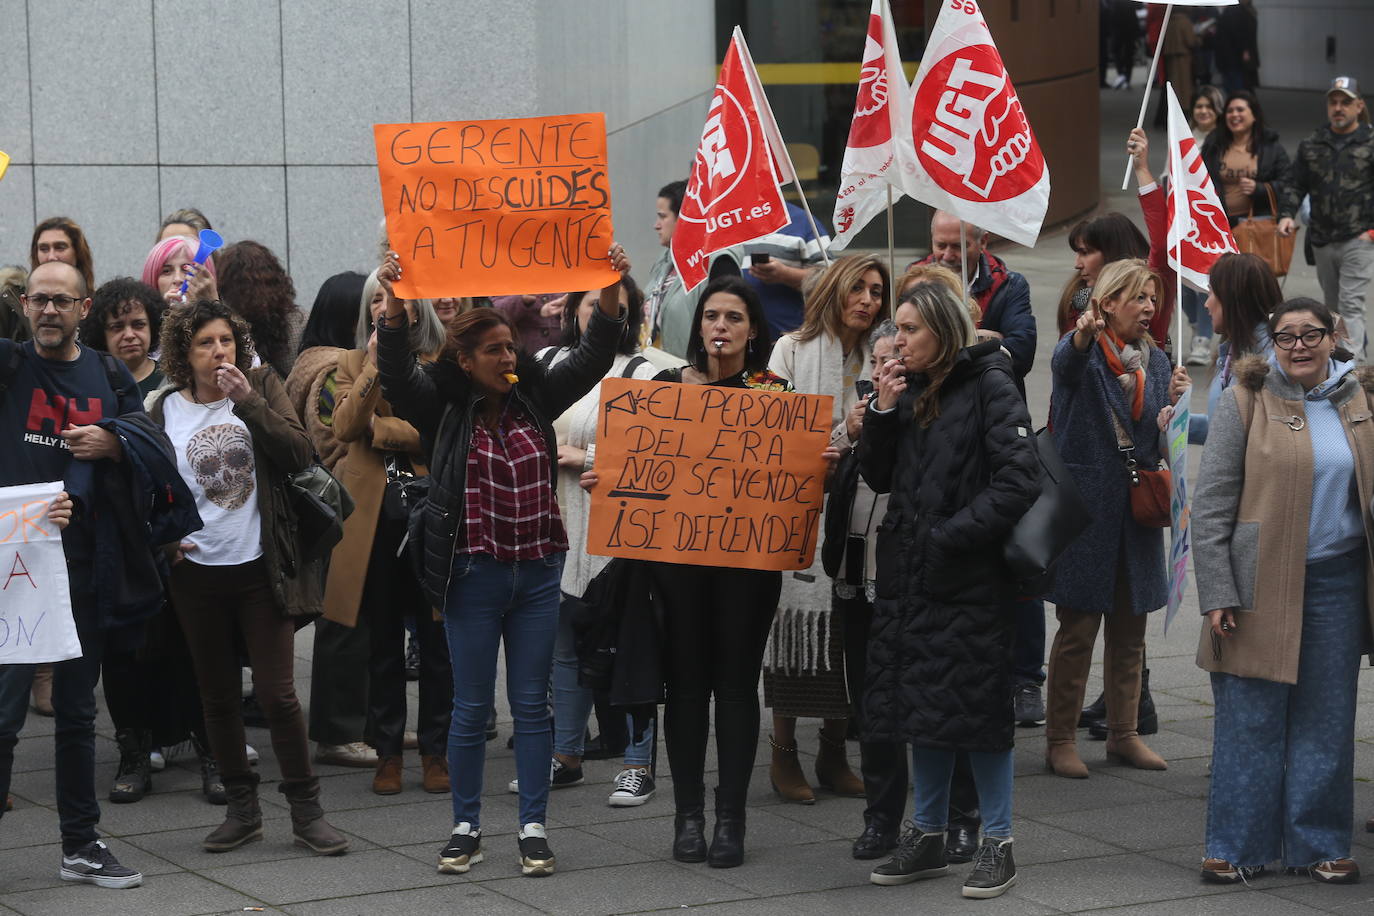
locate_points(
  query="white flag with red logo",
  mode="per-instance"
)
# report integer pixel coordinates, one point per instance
(879, 135)
(1199, 232)
(732, 195)
(976, 155)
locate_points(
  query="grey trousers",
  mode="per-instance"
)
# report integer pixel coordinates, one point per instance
(1345, 270)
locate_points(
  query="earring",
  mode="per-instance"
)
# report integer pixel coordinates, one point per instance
(751, 346)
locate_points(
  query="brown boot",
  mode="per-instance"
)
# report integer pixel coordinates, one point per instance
(1070, 658)
(1124, 664)
(832, 769)
(786, 774)
(1128, 748)
(42, 690)
(307, 820)
(243, 819)
(436, 773)
(1063, 759)
(387, 779)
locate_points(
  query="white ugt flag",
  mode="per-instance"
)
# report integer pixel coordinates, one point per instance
(1199, 232)
(976, 155)
(879, 135)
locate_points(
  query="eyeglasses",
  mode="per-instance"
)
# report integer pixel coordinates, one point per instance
(1286, 341)
(38, 302)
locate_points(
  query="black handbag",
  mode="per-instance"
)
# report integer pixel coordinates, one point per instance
(320, 504)
(1057, 518)
(404, 490)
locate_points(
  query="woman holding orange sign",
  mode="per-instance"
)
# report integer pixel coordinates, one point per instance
(488, 537)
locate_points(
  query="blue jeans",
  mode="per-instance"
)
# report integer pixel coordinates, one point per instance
(1283, 755)
(932, 771)
(572, 703)
(489, 601)
(73, 702)
(1197, 313)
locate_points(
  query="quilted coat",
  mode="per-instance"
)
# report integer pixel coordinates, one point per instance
(939, 651)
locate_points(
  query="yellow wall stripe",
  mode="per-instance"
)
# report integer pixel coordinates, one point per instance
(818, 73)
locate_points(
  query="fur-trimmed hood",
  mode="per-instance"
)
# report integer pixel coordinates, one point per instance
(1251, 372)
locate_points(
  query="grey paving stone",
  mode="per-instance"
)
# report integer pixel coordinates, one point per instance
(621, 890)
(183, 847)
(1154, 825)
(775, 870)
(1084, 884)
(929, 898)
(292, 881)
(1041, 795)
(425, 901)
(180, 894)
(1038, 842)
(31, 868)
(1254, 903)
(1349, 899)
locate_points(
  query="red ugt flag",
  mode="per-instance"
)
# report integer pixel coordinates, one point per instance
(732, 194)
(1203, 233)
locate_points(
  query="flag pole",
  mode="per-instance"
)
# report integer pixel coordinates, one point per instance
(1149, 84)
(1180, 209)
(891, 256)
(801, 192)
(963, 258)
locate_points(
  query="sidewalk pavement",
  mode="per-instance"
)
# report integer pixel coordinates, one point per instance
(1123, 841)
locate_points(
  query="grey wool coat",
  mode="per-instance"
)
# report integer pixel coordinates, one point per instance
(1084, 395)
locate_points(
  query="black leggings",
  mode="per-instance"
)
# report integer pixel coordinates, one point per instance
(716, 623)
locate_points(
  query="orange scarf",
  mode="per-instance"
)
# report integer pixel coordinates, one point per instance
(1127, 363)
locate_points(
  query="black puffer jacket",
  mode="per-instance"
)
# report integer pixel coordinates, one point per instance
(438, 399)
(939, 651)
(1272, 169)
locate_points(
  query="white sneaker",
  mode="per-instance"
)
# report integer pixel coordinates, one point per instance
(632, 787)
(356, 754)
(252, 753)
(1201, 354)
(156, 762)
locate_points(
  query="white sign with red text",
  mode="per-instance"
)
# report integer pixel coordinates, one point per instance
(976, 155)
(35, 602)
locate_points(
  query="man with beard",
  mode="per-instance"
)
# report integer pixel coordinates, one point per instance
(1335, 166)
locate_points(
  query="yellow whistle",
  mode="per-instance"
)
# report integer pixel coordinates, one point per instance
(510, 377)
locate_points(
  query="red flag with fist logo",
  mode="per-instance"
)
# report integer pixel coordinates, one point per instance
(732, 194)
(976, 154)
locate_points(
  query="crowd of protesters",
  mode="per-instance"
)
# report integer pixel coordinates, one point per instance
(466, 432)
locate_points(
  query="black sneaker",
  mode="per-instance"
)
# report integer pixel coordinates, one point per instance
(95, 864)
(536, 858)
(463, 851)
(632, 787)
(1029, 704)
(918, 856)
(994, 870)
(561, 776)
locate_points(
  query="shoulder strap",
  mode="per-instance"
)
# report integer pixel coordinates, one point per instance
(632, 366)
(9, 367)
(112, 373)
(545, 358)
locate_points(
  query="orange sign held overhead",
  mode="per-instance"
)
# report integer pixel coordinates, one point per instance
(487, 208)
(708, 475)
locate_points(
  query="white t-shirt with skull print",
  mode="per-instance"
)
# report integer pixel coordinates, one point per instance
(215, 456)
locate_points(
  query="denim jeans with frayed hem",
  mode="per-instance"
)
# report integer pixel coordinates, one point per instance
(1283, 755)
(489, 602)
(572, 703)
(931, 772)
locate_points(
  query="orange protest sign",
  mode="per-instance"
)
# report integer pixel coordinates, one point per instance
(708, 475)
(487, 208)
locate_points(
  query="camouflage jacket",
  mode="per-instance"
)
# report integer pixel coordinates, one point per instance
(1339, 174)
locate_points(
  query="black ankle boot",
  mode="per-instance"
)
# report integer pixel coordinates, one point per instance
(1147, 717)
(727, 845)
(1094, 712)
(689, 836)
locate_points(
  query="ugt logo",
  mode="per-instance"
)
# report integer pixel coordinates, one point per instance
(715, 173)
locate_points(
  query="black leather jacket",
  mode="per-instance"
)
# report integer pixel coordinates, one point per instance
(438, 400)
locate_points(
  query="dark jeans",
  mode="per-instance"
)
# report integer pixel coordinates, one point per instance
(73, 701)
(716, 623)
(217, 606)
(883, 764)
(1028, 654)
(153, 688)
(390, 592)
(338, 682)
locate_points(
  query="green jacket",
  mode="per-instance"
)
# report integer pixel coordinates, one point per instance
(1338, 172)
